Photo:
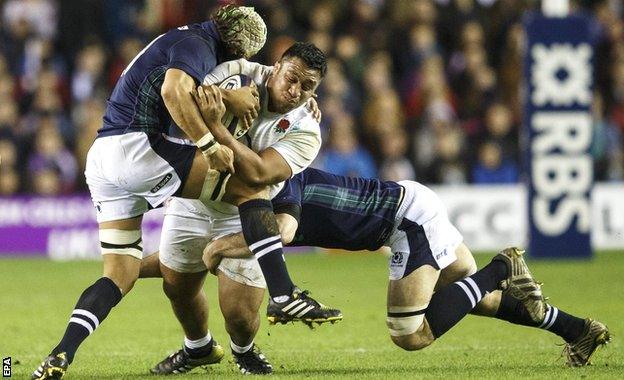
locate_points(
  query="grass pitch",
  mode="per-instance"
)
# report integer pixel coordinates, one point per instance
(38, 295)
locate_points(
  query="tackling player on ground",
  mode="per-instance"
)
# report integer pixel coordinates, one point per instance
(434, 280)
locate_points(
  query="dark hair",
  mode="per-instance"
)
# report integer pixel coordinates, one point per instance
(312, 56)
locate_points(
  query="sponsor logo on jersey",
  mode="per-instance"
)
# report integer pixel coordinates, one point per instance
(282, 126)
(162, 183)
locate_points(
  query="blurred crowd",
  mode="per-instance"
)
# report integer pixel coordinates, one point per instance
(429, 90)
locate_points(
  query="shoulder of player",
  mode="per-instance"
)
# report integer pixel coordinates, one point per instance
(301, 118)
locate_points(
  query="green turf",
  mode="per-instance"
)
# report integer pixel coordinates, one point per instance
(36, 297)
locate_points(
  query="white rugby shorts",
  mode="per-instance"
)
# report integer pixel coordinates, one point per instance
(189, 226)
(129, 173)
(423, 233)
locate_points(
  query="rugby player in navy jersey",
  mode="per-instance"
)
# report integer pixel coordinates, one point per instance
(134, 165)
(434, 280)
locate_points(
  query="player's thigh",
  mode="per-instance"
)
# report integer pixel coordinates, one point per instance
(239, 302)
(238, 192)
(182, 287)
(414, 290)
(463, 267)
(185, 233)
(194, 183)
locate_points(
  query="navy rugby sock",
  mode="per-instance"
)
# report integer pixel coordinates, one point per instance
(263, 238)
(451, 303)
(556, 321)
(93, 306)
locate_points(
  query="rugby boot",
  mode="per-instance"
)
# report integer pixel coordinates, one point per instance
(252, 362)
(520, 284)
(579, 352)
(300, 307)
(53, 367)
(181, 362)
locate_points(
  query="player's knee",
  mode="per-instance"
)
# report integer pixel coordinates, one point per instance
(177, 292)
(413, 342)
(242, 323)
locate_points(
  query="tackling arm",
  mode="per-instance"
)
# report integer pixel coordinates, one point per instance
(234, 245)
(176, 93)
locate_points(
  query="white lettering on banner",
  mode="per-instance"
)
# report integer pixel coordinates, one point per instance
(608, 216)
(569, 131)
(556, 174)
(75, 243)
(551, 89)
(45, 212)
(561, 169)
(491, 217)
(487, 216)
(556, 223)
(55, 212)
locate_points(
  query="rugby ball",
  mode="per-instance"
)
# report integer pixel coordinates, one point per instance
(231, 122)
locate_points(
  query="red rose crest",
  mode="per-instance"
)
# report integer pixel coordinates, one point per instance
(282, 125)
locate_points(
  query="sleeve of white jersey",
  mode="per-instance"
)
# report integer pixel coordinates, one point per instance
(300, 146)
(257, 72)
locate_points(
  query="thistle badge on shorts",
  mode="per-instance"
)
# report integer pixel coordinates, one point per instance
(397, 258)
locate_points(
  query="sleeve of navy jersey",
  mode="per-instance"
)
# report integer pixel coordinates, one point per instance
(194, 55)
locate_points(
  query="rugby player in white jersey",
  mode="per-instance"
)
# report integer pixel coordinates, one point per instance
(286, 138)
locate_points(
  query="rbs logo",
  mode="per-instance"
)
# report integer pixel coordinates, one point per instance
(561, 129)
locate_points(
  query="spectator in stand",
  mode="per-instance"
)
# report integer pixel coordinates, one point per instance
(449, 166)
(343, 154)
(52, 158)
(395, 166)
(9, 177)
(89, 79)
(9, 181)
(492, 167)
(499, 126)
(46, 180)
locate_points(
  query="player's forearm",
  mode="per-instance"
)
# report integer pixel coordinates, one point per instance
(233, 246)
(250, 167)
(176, 94)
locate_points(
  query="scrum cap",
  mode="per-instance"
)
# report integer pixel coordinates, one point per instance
(241, 28)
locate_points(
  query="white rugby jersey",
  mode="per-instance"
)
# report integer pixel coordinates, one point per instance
(296, 135)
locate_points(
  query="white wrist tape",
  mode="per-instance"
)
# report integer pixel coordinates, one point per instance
(207, 144)
(213, 148)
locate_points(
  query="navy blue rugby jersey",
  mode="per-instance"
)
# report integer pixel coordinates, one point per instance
(136, 104)
(339, 212)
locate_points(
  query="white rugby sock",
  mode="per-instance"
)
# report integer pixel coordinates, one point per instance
(241, 350)
(199, 343)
